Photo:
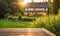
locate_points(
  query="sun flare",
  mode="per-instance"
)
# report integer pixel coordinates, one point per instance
(26, 1)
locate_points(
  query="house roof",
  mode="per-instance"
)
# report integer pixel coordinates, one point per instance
(37, 5)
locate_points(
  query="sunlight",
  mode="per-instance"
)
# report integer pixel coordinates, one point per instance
(26, 1)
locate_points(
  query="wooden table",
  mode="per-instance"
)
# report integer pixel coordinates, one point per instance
(25, 32)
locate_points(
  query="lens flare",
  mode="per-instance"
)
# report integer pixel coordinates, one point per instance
(26, 1)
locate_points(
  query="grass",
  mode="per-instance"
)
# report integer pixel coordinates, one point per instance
(4, 23)
(13, 24)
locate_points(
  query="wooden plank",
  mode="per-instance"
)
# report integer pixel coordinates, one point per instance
(25, 32)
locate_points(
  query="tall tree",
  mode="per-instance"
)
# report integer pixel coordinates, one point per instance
(56, 6)
(50, 7)
(9, 6)
(4, 8)
(15, 5)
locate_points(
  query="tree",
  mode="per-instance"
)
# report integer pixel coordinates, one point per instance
(56, 6)
(50, 7)
(4, 9)
(15, 5)
(9, 6)
(53, 6)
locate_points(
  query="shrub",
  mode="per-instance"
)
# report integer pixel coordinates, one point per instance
(19, 18)
(28, 19)
(52, 23)
(10, 17)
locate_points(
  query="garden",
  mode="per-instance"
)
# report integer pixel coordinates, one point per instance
(11, 16)
(15, 22)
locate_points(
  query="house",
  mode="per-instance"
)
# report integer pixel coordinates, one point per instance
(36, 9)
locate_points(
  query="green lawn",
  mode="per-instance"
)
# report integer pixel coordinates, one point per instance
(4, 23)
(13, 23)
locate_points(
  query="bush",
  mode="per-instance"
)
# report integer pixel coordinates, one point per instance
(19, 18)
(28, 19)
(9, 18)
(52, 23)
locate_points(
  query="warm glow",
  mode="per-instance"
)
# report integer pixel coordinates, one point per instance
(26, 1)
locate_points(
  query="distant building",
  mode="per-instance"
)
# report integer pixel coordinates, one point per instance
(36, 9)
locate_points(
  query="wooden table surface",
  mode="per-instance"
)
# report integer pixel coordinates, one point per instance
(25, 32)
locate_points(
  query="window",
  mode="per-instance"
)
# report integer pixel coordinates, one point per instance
(37, 9)
(30, 9)
(25, 9)
(46, 9)
(40, 9)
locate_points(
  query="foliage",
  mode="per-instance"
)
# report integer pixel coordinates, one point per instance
(10, 7)
(53, 6)
(52, 23)
(15, 23)
(50, 7)
(56, 6)
(4, 9)
(19, 18)
(28, 19)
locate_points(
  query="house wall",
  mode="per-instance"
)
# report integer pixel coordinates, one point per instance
(36, 9)
(35, 13)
